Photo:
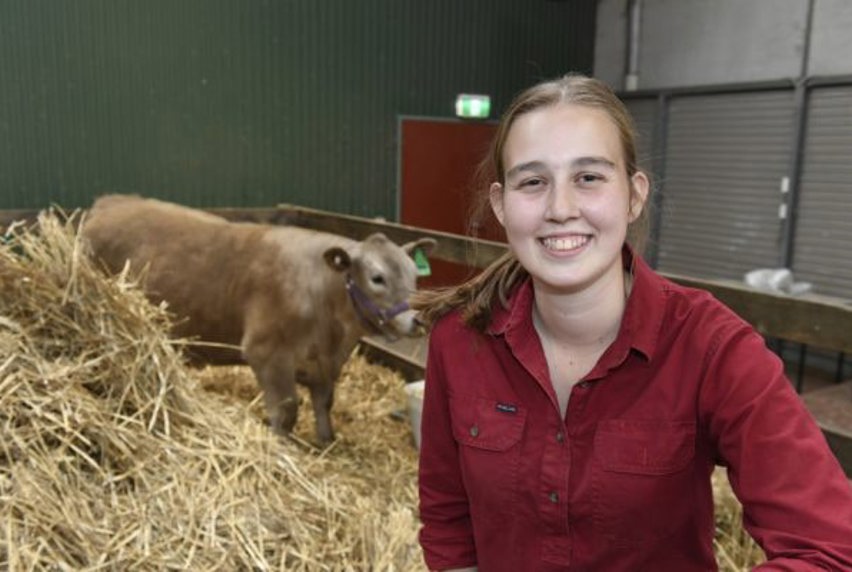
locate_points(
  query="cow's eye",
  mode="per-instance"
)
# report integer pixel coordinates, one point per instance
(378, 280)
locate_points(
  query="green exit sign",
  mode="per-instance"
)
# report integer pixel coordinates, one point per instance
(473, 106)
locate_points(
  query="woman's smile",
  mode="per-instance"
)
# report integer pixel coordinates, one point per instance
(565, 244)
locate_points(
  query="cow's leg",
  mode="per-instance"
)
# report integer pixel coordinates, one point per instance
(322, 398)
(322, 392)
(277, 380)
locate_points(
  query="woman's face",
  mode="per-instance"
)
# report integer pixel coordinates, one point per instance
(566, 201)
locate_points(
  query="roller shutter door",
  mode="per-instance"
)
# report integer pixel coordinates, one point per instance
(822, 252)
(725, 157)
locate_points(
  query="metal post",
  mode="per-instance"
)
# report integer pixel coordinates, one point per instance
(800, 374)
(800, 102)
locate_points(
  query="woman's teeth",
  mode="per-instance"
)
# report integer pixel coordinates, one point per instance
(566, 243)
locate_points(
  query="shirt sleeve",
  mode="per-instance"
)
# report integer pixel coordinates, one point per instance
(446, 535)
(797, 502)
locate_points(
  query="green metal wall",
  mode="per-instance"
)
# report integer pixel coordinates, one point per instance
(253, 102)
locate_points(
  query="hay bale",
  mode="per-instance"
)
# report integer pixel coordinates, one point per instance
(117, 456)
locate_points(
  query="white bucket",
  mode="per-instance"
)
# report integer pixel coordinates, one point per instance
(415, 407)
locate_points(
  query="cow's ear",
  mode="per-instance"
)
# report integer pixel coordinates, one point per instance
(424, 244)
(337, 258)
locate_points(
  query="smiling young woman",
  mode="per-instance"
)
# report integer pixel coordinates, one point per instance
(577, 402)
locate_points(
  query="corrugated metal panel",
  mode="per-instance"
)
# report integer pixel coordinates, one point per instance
(822, 253)
(253, 102)
(725, 157)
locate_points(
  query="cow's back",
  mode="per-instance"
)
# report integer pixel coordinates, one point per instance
(126, 227)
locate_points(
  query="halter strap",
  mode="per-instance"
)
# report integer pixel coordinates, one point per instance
(374, 317)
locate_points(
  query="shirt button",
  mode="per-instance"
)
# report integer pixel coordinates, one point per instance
(560, 437)
(554, 497)
(474, 431)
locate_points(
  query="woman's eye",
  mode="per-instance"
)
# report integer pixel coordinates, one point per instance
(589, 178)
(531, 183)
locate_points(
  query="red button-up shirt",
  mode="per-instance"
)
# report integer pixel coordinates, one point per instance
(622, 483)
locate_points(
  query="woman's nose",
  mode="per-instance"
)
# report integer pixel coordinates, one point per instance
(562, 203)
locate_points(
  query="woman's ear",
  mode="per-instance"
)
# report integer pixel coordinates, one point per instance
(640, 185)
(495, 195)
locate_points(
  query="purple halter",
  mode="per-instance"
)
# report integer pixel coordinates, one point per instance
(371, 315)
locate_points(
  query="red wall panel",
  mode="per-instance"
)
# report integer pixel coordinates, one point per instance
(438, 159)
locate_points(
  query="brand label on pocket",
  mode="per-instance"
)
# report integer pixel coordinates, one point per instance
(507, 408)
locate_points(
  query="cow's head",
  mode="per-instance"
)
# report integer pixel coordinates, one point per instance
(381, 275)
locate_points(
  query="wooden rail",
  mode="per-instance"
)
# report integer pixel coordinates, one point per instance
(450, 247)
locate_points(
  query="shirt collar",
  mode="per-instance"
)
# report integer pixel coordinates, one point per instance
(640, 325)
(518, 312)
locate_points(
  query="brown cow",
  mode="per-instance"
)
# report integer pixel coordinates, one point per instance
(295, 301)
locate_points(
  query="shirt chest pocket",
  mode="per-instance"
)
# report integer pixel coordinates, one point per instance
(489, 434)
(642, 479)
(644, 447)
